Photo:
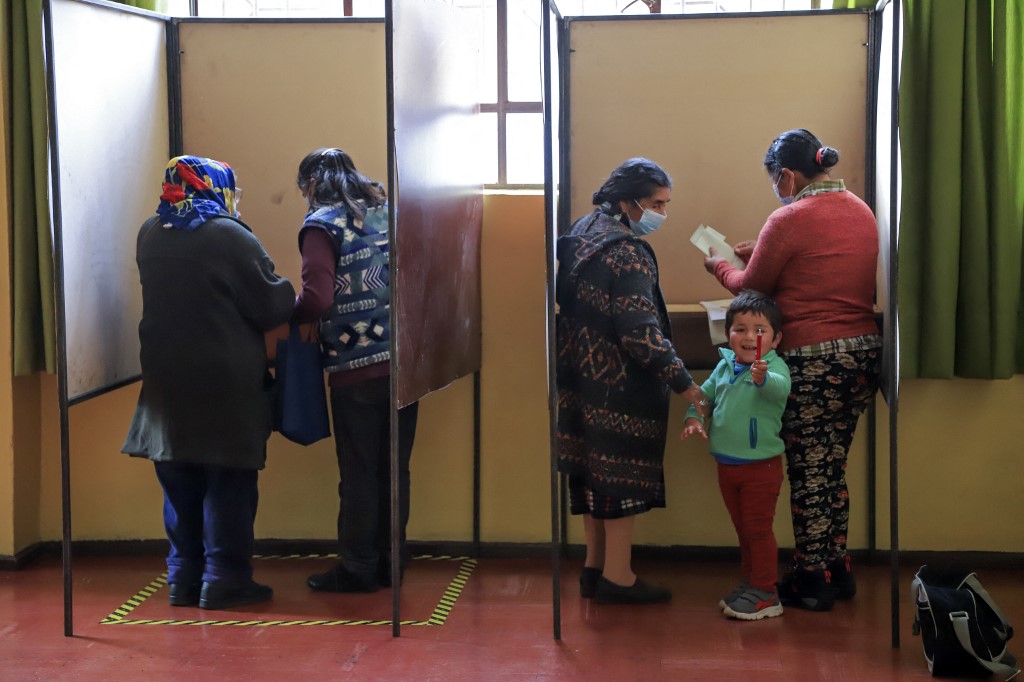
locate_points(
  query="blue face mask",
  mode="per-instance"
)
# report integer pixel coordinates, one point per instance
(648, 223)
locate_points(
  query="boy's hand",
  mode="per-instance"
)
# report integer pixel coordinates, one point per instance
(692, 428)
(758, 371)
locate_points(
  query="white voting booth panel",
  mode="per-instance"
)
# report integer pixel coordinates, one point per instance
(113, 124)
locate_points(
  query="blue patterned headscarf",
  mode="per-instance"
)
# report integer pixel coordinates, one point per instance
(195, 190)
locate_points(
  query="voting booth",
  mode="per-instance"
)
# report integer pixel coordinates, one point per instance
(704, 98)
(260, 94)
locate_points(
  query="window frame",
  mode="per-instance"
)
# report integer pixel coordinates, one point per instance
(503, 106)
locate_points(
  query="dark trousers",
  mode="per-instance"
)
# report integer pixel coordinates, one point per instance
(750, 492)
(828, 394)
(362, 433)
(209, 513)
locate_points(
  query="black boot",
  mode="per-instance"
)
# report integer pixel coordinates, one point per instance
(810, 589)
(340, 579)
(842, 577)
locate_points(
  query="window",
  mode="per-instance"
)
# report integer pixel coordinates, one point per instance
(276, 8)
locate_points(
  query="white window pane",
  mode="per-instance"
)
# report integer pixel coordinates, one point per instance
(713, 6)
(591, 7)
(488, 138)
(765, 5)
(489, 61)
(524, 149)
(267, 9)
(524, 63)
(484, 17)
(365, 8)
(227, 8)
(175, 8)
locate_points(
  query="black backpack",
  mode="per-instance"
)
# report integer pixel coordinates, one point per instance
(963, 631)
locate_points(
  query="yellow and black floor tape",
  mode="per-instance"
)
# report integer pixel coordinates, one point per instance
(120, 615)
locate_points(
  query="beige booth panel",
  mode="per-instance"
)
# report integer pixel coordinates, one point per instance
(260, 96)
(704, 97)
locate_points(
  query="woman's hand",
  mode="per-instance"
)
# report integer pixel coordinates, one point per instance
(744, 249)
(693, 427)
(712, 261)
(758, 371)
(699, 400)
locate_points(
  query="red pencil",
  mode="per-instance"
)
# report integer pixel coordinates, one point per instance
(758, 358)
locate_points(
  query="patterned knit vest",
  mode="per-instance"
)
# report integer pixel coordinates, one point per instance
(355, 330)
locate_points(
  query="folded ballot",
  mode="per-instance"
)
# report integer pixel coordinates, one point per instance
(706, 238)
(716, 319)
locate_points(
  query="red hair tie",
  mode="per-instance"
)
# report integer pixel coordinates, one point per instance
(817, 157)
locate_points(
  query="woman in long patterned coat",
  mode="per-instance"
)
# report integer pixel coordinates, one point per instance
(616, 370)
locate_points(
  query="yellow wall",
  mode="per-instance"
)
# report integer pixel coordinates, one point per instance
(958, 443)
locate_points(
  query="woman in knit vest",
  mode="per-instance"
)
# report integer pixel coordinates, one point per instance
(345, 286)
(817, 257)
(616, 370)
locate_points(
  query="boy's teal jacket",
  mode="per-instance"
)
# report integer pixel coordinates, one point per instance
(746, 418)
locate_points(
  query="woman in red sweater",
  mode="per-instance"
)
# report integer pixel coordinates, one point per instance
(817, 257)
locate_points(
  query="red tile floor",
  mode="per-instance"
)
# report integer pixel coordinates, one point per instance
(499, 628)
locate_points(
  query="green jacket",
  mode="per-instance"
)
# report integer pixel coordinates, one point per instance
(746, 418)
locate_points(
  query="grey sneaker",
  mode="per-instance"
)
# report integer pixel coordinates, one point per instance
(737, 591)
(754, 604)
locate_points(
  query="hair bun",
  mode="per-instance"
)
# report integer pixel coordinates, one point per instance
(826, 157)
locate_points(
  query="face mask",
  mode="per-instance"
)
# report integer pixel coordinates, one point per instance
(648, 223)
(786, 201)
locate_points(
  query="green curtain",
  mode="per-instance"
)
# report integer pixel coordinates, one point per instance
(33, 323)
(960, 256)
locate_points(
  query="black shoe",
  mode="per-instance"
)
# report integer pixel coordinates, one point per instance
(215, 597)
(637, 593)
(588, 581)
(842, 578)
(810, 589)
(184, 594)
(384, 574)
(340, 579)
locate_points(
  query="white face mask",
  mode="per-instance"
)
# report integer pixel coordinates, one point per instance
(786, 201)
(648, 223)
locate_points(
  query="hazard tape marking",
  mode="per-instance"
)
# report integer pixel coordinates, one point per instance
(442, 610)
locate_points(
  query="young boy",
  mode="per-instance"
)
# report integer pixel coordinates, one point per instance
(748, 392)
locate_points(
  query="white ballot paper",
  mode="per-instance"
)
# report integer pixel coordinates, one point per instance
(716, 319)
(706, 238)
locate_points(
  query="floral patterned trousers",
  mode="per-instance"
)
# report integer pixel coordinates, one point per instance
(828, 394)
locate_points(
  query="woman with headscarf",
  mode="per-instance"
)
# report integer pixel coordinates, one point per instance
(209, 293)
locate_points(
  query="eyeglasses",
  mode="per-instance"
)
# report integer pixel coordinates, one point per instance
(238, 195)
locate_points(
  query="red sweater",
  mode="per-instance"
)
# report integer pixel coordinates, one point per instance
(817, 258)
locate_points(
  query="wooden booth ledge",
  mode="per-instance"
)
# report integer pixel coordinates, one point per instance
(691, 337)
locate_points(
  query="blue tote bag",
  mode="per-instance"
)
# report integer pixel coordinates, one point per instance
(300, 413)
